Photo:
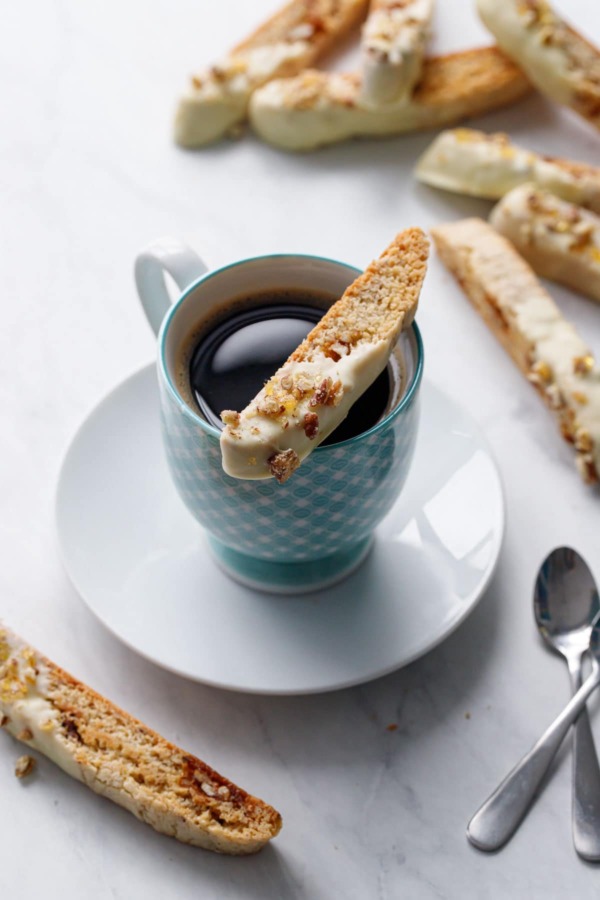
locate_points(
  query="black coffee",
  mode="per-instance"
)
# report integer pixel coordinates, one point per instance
(231, 362)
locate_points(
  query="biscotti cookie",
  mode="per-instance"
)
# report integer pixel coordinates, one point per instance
(117, 756)
(545, 346)
(393, 44)
(559, 62)
(308, 397)
(489, 165)
(559, 240)
(317, 108)
(292, 39)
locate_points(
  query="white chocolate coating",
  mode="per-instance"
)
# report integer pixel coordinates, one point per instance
(394, 39)
(489, 165)
(248, 446)
(559, 240)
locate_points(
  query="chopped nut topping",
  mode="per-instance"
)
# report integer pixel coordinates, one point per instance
(321, 395)
(580, 398)
(283, 464)
(25, 735)
(583, 441)
(544, 371)
(270, 407)
(583, 364)
(311, 425)
(555, 398)
(24, 766)
(286, 382)
(230, 417)
(587, 469)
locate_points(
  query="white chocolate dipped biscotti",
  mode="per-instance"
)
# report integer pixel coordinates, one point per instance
(557, 59)
(312, 392)
(520, 312)
(117, 756)
(393, 43)
(559, 240)
(293, 38)
(317, 108)
(489, 165)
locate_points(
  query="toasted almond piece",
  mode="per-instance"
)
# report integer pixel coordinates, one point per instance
(559, 61)
(312, 392)
(559, 240)
(394, 38)
(117, 756)
(293, 38)
(317, 108)
(24, 766)
(520, 312)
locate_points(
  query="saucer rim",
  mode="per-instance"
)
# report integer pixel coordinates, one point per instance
(469, 603)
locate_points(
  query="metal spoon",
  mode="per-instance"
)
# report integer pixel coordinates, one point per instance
(501, 814)
(566, 603)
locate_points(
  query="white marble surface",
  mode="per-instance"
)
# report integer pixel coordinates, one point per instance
(88, 176)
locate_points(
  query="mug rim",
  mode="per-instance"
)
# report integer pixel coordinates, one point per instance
(407, 397)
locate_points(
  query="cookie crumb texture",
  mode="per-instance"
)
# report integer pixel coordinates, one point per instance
(122, 759)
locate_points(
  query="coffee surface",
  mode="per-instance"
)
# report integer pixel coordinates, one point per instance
(231, 362)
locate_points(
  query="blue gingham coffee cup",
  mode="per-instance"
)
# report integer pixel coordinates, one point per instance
(316, 528)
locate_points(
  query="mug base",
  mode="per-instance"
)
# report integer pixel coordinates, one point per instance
(290, 578)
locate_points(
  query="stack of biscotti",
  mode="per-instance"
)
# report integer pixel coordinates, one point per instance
(312, 392)
(295, 37)
(397, 89)
(317, 108)
(122, 759)
(549, 207)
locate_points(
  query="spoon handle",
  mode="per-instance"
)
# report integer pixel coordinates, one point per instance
(586, 779)
(501, 814)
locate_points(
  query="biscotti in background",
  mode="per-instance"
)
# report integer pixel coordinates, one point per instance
(120, 758)
(559, 61)
(477, 164)
(559, 240)
(318, 108)
(293, 38)
(519, 311)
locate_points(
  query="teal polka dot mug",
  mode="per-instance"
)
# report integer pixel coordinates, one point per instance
(316, 528)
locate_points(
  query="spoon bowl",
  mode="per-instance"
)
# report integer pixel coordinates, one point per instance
(565, 602)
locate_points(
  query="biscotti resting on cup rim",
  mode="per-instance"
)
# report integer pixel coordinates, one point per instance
(312, 392)
(120, 758)
(295, 37)
(489, 165)
(546, 347)
(559, 240)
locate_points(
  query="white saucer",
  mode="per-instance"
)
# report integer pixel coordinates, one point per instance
(142, 565)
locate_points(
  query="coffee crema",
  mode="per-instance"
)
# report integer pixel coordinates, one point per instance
(226, 362)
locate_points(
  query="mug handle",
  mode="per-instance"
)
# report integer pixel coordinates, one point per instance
(164, 255)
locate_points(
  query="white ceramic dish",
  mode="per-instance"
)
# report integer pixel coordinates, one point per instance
(142, 565)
